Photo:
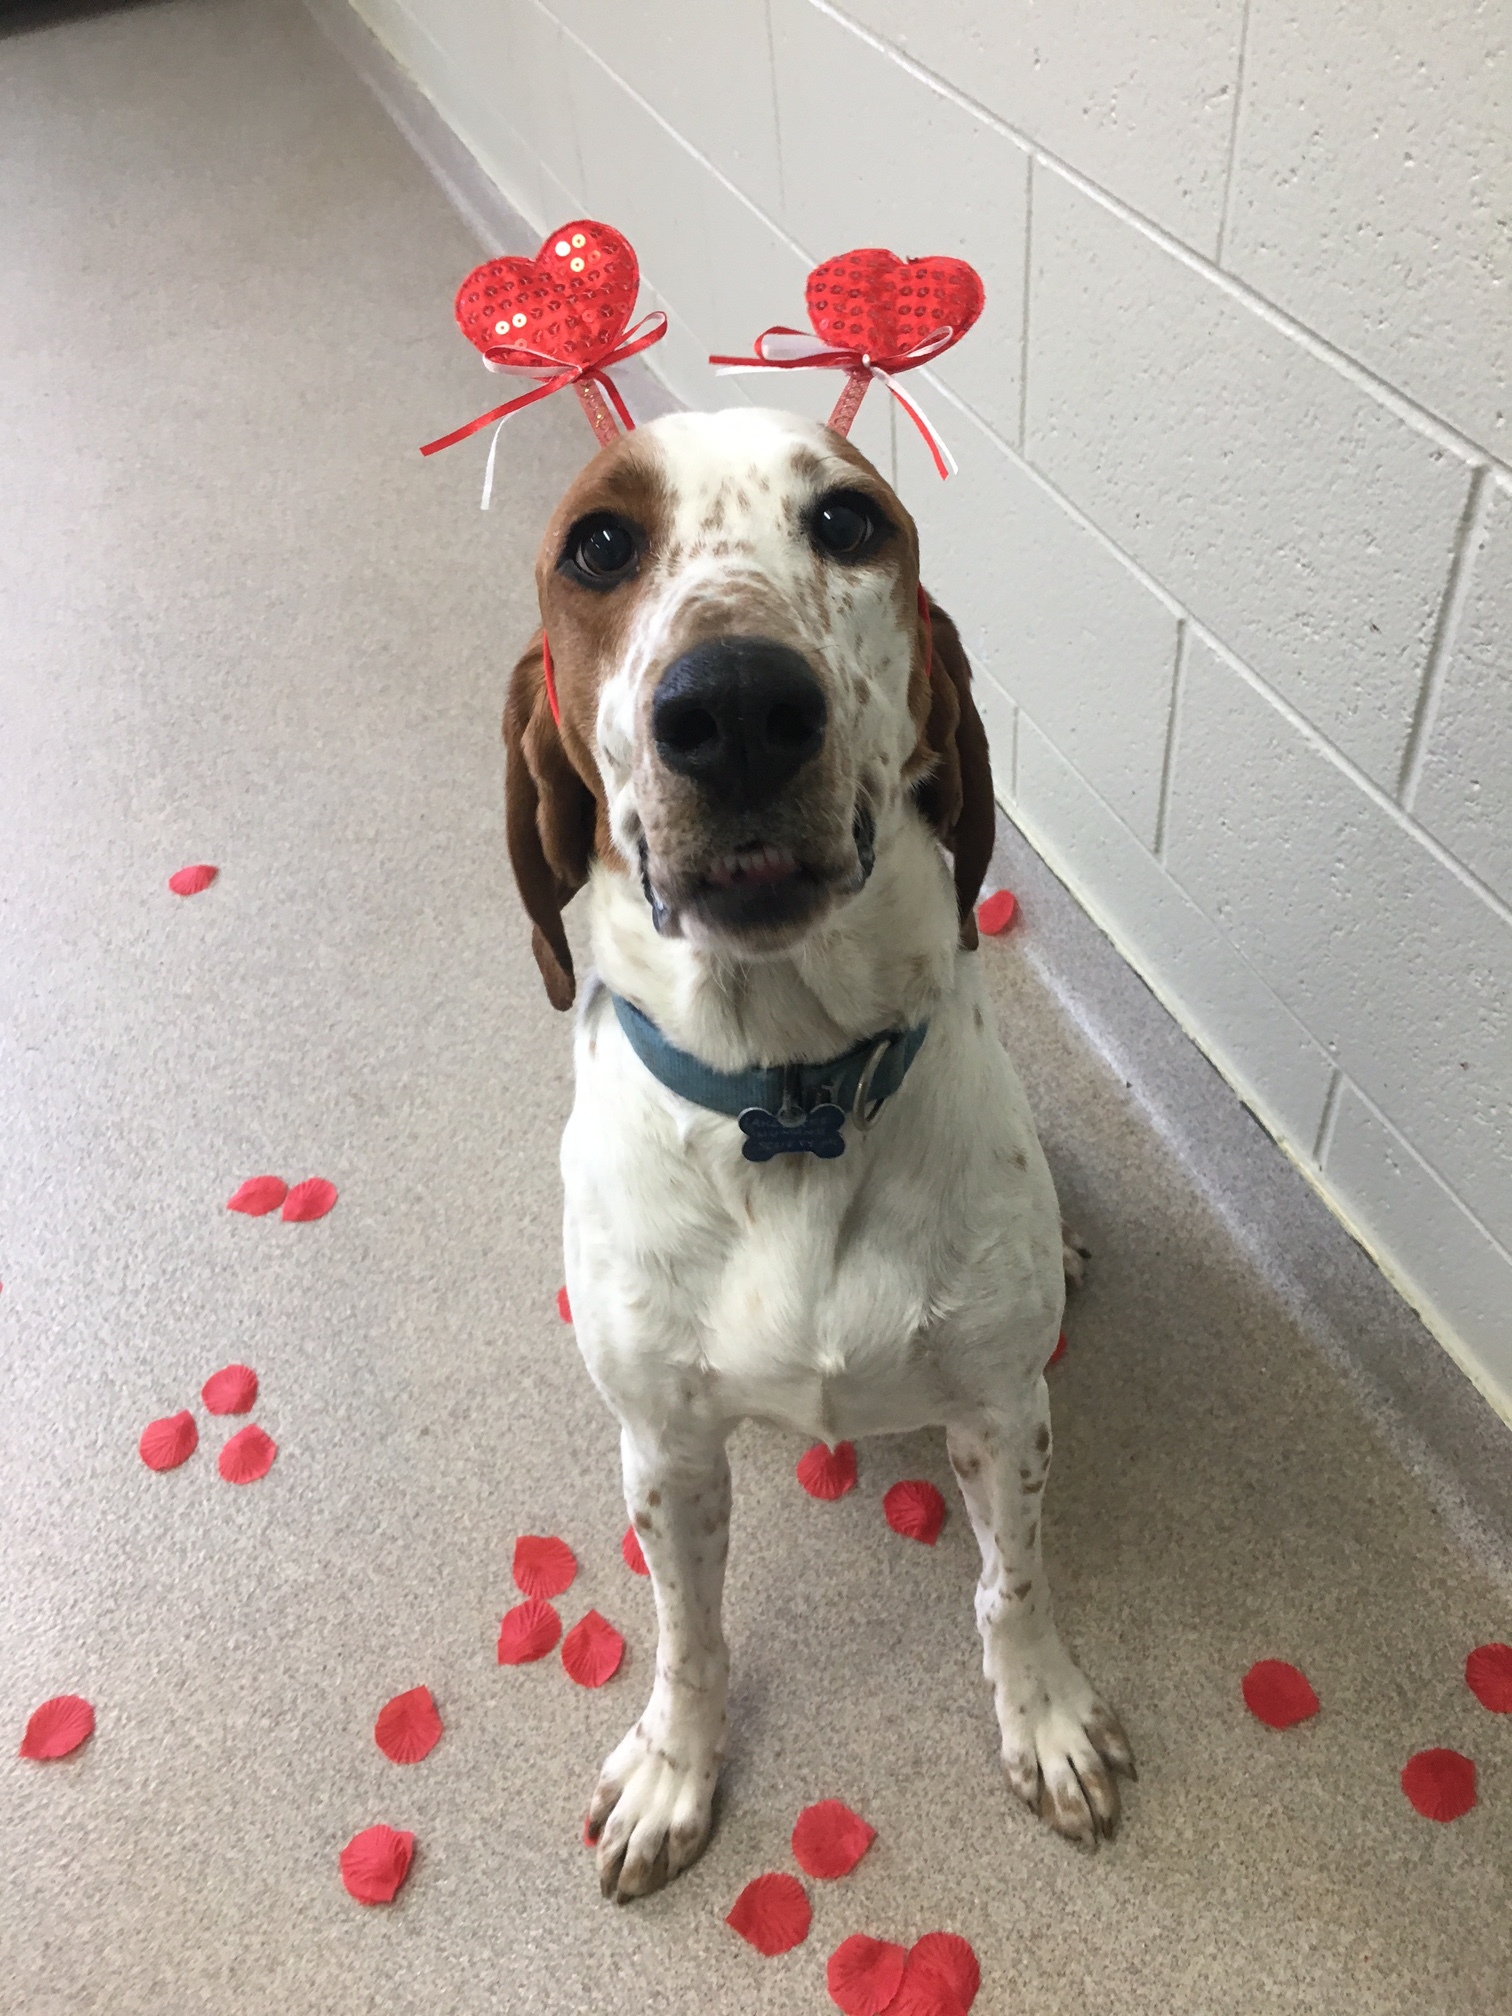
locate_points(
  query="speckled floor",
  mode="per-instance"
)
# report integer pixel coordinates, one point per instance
(244, 623)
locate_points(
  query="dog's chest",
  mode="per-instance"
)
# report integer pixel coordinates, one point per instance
(837, 1298)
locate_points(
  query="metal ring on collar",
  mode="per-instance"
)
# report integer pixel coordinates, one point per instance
(860, 1118)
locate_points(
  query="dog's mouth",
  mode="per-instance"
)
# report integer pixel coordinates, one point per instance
(761, 891)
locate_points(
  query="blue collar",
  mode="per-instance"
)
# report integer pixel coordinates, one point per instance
(783, 1109)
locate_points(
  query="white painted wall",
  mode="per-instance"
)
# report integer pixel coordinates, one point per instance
(1232, 539)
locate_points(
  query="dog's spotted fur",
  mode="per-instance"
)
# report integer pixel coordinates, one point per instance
(917, 1279)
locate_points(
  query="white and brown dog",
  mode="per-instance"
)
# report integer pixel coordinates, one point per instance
(802, 1179)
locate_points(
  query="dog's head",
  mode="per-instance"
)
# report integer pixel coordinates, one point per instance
(750, 684)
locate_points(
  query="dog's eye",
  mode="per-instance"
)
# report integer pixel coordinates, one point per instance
(848, 525)
(601, 551)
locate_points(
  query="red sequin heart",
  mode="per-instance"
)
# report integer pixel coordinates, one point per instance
(572, 302)
(872, 300)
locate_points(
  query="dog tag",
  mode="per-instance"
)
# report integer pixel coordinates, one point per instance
(816, 1133)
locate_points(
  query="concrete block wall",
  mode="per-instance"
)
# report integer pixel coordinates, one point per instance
(1232, 538)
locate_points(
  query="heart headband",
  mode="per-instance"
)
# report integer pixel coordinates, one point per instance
(561, 318)
(874, 315)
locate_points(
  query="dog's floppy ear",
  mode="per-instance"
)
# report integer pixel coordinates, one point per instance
(549, 818)
(955, 795)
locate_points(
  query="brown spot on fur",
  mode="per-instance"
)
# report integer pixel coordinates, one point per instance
(1042, 1438)
(653, 1497)
(1021, 1590)
(557, 815)
(645, 1522)
(1020, 1159)
(1036, 1484)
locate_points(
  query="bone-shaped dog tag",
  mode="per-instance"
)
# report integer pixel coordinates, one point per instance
(816, 1133)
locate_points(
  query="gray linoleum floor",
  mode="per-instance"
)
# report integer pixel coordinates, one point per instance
(245, 623)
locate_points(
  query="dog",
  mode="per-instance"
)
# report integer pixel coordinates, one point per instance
(802, 1180)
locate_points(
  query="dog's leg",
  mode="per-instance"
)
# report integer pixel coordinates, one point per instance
(650, 1815)
(1061, 1745)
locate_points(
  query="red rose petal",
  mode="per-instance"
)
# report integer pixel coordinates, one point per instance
(58, 1726)
(941, 1978)
(630, 1547)
(865, 1974)
(916, 1510)
(829, 1839)
(167, 1443)
(408, 1727)
(543, 1565)
(375, 1863)
(1058, 1353)
(1488, 1675)
(258, 1196)
(1278, 1694)
(564, 1307)
(772, 1914)
(247, 1456)
(996, 913)
(528, 1632)
(592, 1651)
(190, 881)
(308, 1200)
(1440, 1784)
(232, 1390)
(828, 1473)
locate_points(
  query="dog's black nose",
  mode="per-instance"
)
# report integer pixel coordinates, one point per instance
(740, 715)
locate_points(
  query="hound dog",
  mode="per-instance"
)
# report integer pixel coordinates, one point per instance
(802, 1180)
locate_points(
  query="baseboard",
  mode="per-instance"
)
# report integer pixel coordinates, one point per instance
(1441, 1428)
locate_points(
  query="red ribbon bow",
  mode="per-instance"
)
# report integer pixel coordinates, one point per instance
(589, 377)
(782, 349)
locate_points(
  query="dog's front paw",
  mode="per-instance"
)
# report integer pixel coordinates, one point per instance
(1063, 1749)
(651, 1814)
(1075, 1253)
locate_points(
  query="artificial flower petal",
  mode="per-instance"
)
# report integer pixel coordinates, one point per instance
(57, 1727)
(1278, 1694)
(375, 1863)
(528, 1632)
(247, 1456)
(309, 1200)
(996, 914)
(543, 1564)
(165, 1444)
(592, 1651)
(772, 1914)
(828, 1473)
(630, 1547)
(1440, 1784)
(864, 1974)
(232, 1390)
(258, 1196)
(190, 881)
(941, 1978)
(408, 1727)
(1488, 1675)
(829, 1839)
(915, 1509)
(564, 1307)
(1058, 1353)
